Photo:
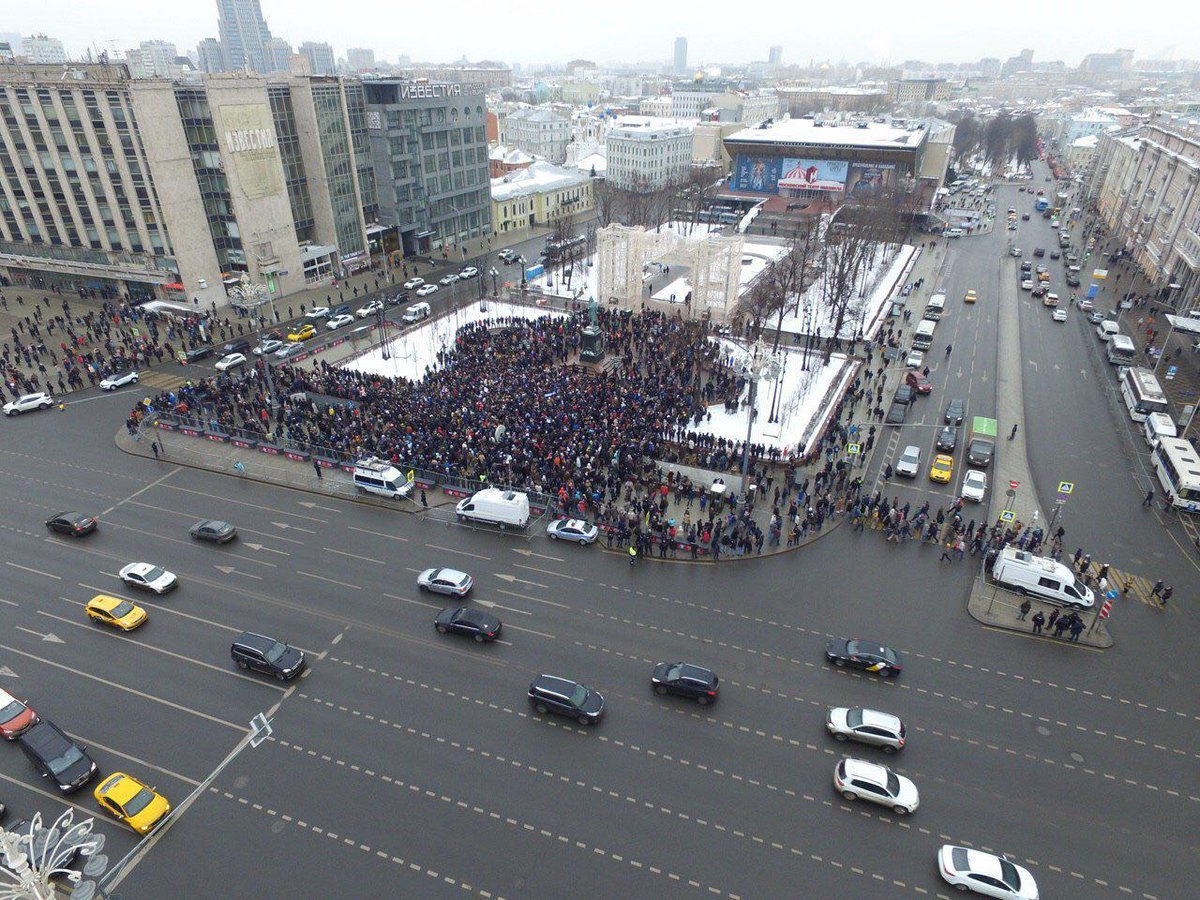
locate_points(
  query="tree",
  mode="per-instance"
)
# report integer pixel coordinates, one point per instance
(1025, 140)
(967, 132)
(997, 140)
(605, 198)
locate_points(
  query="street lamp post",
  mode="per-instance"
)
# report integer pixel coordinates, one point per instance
(495, 289)
(28, 870)
(254, 296)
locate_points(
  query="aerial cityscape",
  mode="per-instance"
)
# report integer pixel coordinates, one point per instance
(598, 453)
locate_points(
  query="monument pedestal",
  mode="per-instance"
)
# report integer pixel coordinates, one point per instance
(592, 347)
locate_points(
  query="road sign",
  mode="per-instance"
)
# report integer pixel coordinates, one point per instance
(260, 729)
(1106, 609)
(1066, 487)
(1172, 371)
(1013, 485)
(853, 449)
(1008, 516)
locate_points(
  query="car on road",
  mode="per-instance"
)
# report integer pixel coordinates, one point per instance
(16, 717)
(468, 272)
(942, 469)
(233, 360)
(149, 577)
(955, 410)
(857, 779)
(1054, 254)
(916, 359)
(970, 297)
(918, 382)
(413, 283)
(472, 623)
(339, 320)
(341, 310)
(686, 680)
(564, 697)
(1039, 252)
(864, 655)
(317, 312)
(115, 612)
(1040, 291)
(507, 255)
(269, 345)
(119, 379)
(303, 333)
(369, 309)
(1073, 280)
(1027, 285)
(947, 438)
(287, 351)
(904, 394)
(974, 485)
(578, 530)
(57, 757)
(397, 298)
(27, 402)
(1024, 217)
(213, 530)
(896, 413)
(264, 654)
(985, 873)
(1015, 251)
(195, 354)
(445, 581)
(130, 801)
(1084, 303)
(447, 280)
(426, 290)
(909, 462)
(1012, 226)
(75, 524)
(1096, 316)
(868, 726)
(1059, 315)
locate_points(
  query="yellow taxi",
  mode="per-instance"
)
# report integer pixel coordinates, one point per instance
(969, 297)
(942, 469)
(115, 612)
(126, 798)
(303, 333)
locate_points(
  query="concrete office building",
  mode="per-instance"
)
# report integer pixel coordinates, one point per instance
(40, 49)
(319, 56)
(680, 55)
(244, 33)
(539, 132)
(428, 143)
(278, 55)
(360, 59)
(645, 153)
(210, 56)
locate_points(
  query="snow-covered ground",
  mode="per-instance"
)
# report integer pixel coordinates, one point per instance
(411, 354)
(798, 405)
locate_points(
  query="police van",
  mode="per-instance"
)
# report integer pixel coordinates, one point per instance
(376, 476)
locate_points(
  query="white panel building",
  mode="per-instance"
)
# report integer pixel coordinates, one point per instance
(645, 152)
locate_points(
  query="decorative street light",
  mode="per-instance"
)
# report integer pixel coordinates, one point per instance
(254, 297)
(495, 274)
(763, 363)
(34, 857)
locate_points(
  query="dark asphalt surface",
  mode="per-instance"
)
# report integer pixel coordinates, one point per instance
(409, 764)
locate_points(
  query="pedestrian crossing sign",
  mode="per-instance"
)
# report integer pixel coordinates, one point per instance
(854, 449)
(1066, 487)
(1008, 516)
(412, 476)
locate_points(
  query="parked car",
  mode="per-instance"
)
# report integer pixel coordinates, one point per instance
(317, 312)
(413, 283)
(468, 272)
(578, 530)
(15, 716)
(369, 309)
(57, 757)
(915, 359)
(119, 379)
(897, 413)
(27, 402)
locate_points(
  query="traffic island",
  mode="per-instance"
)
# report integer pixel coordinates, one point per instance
(993, 605)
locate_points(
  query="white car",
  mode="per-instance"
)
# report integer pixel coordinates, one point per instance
(1027, 284)
(369, 309)
(426, 290)
(151, 577)
(26, 402)
(413, 283)
(1015, 251)
(577, 530)
(858, 779)
(916, 359)
(317, 312)
(448, 279)
(1059, 315)
(230, 361)
(339, 321)
(1084, 303)
(985, 873)
(974, 485)
(119, 379)
(445, 581)
(468, 272)
(868, 726)
(270, 345)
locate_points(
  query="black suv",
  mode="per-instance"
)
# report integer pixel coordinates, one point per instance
(264, 654)
(947, 438)
(241, 345)
(686, 680)
(397, 298)
(955, 410)
(57, 757)
(197, 353)
(550, 694)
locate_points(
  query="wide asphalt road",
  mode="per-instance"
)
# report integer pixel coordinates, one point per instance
(409, 764)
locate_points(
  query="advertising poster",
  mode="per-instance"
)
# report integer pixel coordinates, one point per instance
(759, 174)
(867, 181)
(828, 175)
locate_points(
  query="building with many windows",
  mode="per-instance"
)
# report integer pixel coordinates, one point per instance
(538, 194)
(244, 34)
(40, 49)
(360, 59)
(319, 56)
(539, 132)
(647, 153)
(428, 143)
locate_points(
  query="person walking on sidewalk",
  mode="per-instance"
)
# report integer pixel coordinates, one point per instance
(1012, 434)
(946, 552)
(1053, 618)
(317, 469)
(1038, 621)
(154, 448)
(1025, 607)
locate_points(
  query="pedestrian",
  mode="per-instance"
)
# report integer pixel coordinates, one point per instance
(154, 448)
(424, 501)
(946, 552)
(1026, 606)
(1149, 497)
(1076, 629)
(1038, 621)
(317, 469)
(1059, 627)
(1166, 594)
(1053, 618)
(1012, 434)
(1157, 589)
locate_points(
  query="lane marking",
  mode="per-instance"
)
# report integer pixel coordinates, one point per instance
(534, 599)
(88, 742)
(546, 572)
(330, 580)
(378, 562)
(390, 537)
(143, 489)
(424, 603)
(454, 550)
(34, 571)
(209, 496)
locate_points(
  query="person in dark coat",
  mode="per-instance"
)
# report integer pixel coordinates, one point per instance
(1039, 619)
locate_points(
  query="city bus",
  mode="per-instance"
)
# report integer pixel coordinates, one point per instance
(556, 249)
(1178, 469)
(1142, 392)
(1121, 351)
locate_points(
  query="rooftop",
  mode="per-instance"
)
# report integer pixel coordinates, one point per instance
(538, 178)
(845, 134)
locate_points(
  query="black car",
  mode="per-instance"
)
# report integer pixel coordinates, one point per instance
(1054, 254)
(469, 622)
(979, 453)
(1039, 252)
(76, 524)
(896, 413)
(397, 298)
(686, 680)
(864, 655)
(551, 694)
(241, 345)
(202, 352)
(1072, 280)
(904, 394)
(57, 757)
(342, 310)
(213, 530)
(264, 654)
(947, 438)
(1040, 291)
(955, 410)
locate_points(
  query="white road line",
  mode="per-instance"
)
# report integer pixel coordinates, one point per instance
(121, 687)
(455, 550)
(55, 797)
(546, 572)
(87, 741)
(534, 599)
(378, 562)
(207, 495)
(9, 602)
(143, 489)
(530, 631)
(425, 603)
(34, 571)
(390, 537)
(330, 580)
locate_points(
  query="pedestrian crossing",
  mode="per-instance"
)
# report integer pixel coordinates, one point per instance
(160, 381)
(1128, 585)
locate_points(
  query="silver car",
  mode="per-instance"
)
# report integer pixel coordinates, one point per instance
(445, 581)
(578, 530)
(867, 726)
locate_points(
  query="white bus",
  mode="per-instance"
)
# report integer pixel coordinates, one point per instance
(1178, 469)
(1121, 351)
(1142, 392)
(923, 336)
(935, 307)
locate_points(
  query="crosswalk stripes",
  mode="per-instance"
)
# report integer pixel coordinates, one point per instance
(161, 380)
(1129, 585)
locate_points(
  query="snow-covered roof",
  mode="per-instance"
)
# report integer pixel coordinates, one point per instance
(539, 178)
(807, 132)
(537, 114)
(1087, 142)
(512, 156)
(597, 161)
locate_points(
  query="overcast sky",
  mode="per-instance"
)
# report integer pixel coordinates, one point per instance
(539, 31)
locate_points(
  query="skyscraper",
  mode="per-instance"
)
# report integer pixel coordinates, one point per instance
(278, 54)
(775, 56)
(681, 55)
(320, 57)
(244, 34)
(210, 56)
(360, 59)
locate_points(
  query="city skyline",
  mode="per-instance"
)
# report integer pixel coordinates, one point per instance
(608, 39)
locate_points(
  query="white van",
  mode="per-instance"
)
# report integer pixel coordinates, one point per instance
(416, 312)
(954, 232)
(1041, 577)
(376, 476)
(936, 307)
(923, 336)
(1157, 426)
(1106, 329)
(496, 507)
(909, 462)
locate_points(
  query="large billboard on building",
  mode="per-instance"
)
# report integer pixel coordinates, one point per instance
(789, 176)
(759, 174)
(870, 180)
(249, 139)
